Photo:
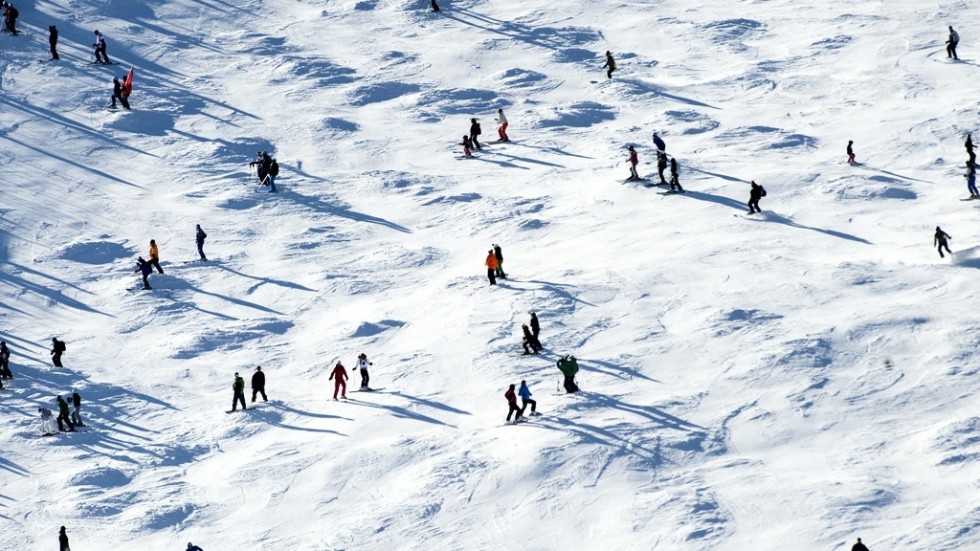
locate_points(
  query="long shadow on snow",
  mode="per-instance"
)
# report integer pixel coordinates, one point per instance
(65, 160)
(883, 171)
(287, 284)
(716, 175)
(598, 435)
(552, 149)
(509, 29)
(274, 418)
(430, 403)
(14, 468)
(50, 294)
(555, 288)
(659, 90)
(773, 217)
(319, 205)
(399, 411)
(649, 412)
(526, 159)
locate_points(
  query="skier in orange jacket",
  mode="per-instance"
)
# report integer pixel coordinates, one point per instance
(492, 267)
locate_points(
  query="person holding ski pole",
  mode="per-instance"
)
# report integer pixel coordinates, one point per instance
(339, 375)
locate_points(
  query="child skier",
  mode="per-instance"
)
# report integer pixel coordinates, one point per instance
(633, 161)
(675, 184)
(467, 146)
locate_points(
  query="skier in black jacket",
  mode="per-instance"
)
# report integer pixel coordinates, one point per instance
(5, 361)
(57, 349)
(530, 341)
(758, 192)
(53, 41)
(63, 540)
(273, 172)
(144, 268)
(968, 144)
(941, 240)
(661, 166)
(675, 184)
(499, 254)
(475, 133)
(535, 328)
(258, 384)
(859, 546)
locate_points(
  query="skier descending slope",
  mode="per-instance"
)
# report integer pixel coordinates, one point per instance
(512, 405)
(100, 54)
(57, 349)
(610, 64)
(951, 42)
(971, 180)
(941, 240)
(143, 267)
(757, 192)
(568, 366)
(502, 129)
(192, 547)
(525, 394)
(362, 366)
(199, 238)
(850, 152)
(339, 375)
(675, 184)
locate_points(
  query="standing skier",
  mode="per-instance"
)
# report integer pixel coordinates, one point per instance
(5, 361)
(610, 64)
(53, 41)
(76, 409)
(63, 540)
(525, 393)
(951, 42)
(191, 546)
(675, 184)
(568, 366)
(100, 54)
(258, 384)
(467, 144)
(238, 388)
(362, 366)
(64, 415)
(47, 422)
(475, 132)
(633, 161)
(512, 405)
(199, 237)
(144, 268)
(155, 256)
(434, 6)
(969, 148)
(10, 16)
(530, 341)
(850, 152)
(859, 546)
(339, 374)
(659, 143)
(273, 172)
(57, 349)
(535, 327)
(498, 253)
(491, 264)
(661, 166)
(971, 180)
(941, 240)
(757, 192)
(502, 129)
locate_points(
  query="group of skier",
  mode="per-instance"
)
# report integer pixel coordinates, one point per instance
(145, 267)
(495, 264)
(72, 418)
(267, 169)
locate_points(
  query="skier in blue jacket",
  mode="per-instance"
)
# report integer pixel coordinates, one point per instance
(525, 394)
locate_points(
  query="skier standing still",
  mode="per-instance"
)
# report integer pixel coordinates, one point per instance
(971, 180)
(100, 49)
(5, 361)
(64, 415)
(155, 256)
(258, 384)
(63, 540)
(144, 268)
(498, 253)
(362, 365)
(661, 166)
(512, 405)
(475, 132)
(968, 144)
(199, 237)
(502, 129)
(941, 240)
(339, 375)
(53, 41)
(535, 327)
(633, 161)
(238, 387)
(491, 264)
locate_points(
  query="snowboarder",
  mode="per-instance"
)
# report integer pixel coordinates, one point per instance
(5, 361)
(10, 15)
(530, 342)
(76, 409)
(53, 41)
(145, 269)
(498, 253)
(610, 64)
(258, 384)
(971, 180)
(757, 192)
(568, 366)
(362, 366)
(155, 256)
(661, 166)
(63, 540)
(658, 141)
(191, 546)
(951, 42)
(339, 375)
(199, 238)
(969, 148)
(850, 152)
(48, 427)
(512, 405)
(941, 240)
(502, 129)
(238, 387)
(63, 415)
(633, 161)
(675, 184)
(859, 546)
(491, 263)
(535, 327)
(467, 144)
(100, 54)
(57, 349)
(273, 172)
(475, 133)
(434, 6)
(525, 393)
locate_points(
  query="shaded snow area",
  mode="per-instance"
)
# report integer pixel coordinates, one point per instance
(800, 377)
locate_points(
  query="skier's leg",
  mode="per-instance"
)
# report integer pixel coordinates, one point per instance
(264, 398)
(343, 389)
(336, 388)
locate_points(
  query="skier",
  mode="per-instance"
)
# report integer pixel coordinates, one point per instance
(155, 256)
(258, 384)
(362, 366)
(127, 90)
(76, 407)
(491, 264)
(568, 365)
(273, 172)
(53, 41)
(850, 152)
(339, 374)
(498, 253)
(118, 93)
(238, 387)
(633, 160)
(191, 546)
(100, 54)
(57, 349)
(525, 393)
(502, 130)
(5, 361)
(63, 415)
(661, 166)
(47, 422)
(63, 540)
(971, 180)
(610, 63)
(535, 328)
(10, 16)
(475, 133)
(512, 405)
(657, 141)
(467, 144)
(951, 42)
(859, 546)
(969, 148)
(941, 240)
(434, 6)
(757, 192)
(199, 238)
(143, 267)
(530, 342)
(674, 181)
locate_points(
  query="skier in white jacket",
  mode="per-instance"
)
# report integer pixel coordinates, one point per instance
(362, 365)
(502, 130)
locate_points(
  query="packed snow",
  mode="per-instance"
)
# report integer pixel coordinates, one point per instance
(800, 377)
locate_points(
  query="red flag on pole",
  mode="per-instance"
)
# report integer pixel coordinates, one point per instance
(128, 83)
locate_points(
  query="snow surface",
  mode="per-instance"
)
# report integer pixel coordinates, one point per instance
(802, 377)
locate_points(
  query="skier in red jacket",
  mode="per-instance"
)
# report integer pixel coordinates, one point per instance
(339, 374)
(511, 396)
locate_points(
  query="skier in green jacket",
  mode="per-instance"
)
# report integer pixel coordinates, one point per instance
(569, 367)
(239, 387)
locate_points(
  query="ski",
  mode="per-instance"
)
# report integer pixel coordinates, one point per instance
(368, 389)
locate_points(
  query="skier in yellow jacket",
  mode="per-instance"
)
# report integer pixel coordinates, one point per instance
(155, 256)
